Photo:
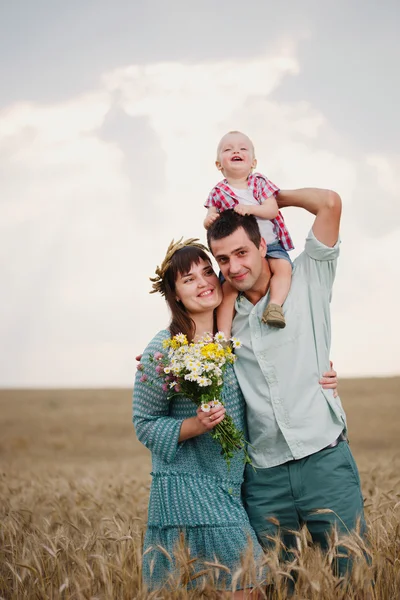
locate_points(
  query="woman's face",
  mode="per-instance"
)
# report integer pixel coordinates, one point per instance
(199, 290)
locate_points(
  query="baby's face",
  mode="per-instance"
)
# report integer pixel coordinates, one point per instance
(235, 155)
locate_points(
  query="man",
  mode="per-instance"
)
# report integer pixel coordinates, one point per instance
(297, 430)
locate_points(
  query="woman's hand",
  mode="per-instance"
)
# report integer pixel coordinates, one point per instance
(201, 423)
(329, 380)
(208, 420)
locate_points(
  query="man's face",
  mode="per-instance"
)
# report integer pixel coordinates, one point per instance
(240, 261)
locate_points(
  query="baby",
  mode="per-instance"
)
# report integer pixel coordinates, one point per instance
(251, 193)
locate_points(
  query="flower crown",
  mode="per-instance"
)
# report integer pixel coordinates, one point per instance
(158, 280)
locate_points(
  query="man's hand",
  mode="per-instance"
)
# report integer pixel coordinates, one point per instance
(329, 380)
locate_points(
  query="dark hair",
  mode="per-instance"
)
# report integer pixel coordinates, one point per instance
(228, 222)
(180, 264)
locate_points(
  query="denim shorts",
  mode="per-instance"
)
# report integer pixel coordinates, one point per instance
(276, 250)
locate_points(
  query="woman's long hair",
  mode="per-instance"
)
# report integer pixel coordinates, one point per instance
(181, 263)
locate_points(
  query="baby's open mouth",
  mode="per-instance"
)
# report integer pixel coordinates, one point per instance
(235, 158)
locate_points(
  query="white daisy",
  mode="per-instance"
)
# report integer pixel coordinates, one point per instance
(220, 337)
(181, 338)
(236, 343)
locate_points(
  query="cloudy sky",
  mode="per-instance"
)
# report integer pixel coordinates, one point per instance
(110, 114)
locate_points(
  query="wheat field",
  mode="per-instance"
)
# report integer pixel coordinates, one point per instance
(74, 483)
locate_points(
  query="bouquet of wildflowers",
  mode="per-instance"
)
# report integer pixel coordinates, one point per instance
(196, 371)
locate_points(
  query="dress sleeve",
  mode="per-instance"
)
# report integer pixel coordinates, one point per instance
(154, 427)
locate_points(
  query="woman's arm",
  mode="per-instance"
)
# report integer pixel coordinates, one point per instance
(154, 426)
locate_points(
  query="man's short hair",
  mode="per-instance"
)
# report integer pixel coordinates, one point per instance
(228, 222)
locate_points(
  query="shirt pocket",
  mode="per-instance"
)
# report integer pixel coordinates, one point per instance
(274, 341)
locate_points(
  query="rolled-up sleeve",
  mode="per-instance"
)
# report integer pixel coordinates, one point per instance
(158, 431)
(318, 262)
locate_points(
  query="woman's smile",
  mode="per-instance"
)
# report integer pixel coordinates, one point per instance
(206, 293)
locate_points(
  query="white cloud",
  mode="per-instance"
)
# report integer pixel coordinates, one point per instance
(76, 257)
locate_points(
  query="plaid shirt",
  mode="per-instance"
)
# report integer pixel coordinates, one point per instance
(223, 198)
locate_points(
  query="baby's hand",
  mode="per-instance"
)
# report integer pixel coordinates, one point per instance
(209, 220)
(242, 209)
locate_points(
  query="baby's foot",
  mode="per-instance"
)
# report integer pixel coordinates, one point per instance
(273, 316)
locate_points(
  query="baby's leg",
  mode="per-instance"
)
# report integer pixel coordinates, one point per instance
(280, 281)
(281, 278)
(226, 310)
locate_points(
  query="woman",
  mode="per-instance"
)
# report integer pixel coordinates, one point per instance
(194, 499)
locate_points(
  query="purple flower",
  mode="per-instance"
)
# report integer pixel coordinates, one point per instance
(158, 355)
(165, 387)
(159, 369)
(177, 387)
(143, 378)
(140, 367)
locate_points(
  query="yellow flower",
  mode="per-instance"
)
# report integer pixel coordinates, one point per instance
(209, 350)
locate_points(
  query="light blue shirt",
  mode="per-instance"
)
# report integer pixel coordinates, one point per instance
(289, 415)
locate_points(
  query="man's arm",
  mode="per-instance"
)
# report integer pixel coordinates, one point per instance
(324, 204)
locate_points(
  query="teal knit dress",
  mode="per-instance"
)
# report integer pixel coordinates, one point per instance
(193, 495)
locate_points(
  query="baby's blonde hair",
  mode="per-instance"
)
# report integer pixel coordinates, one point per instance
(236, 133)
